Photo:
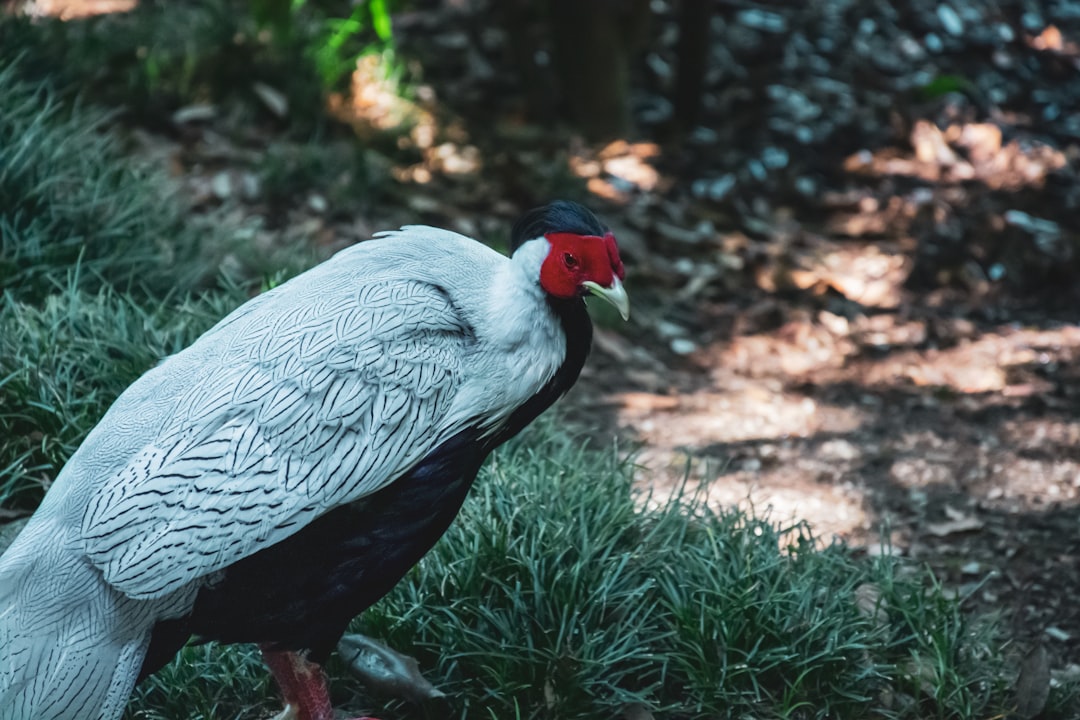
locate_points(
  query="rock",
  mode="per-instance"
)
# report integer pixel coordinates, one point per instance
(950, 20)
(763, 20)
(1032, 225)
(774, 158)
(273, 99)
(683, 346)
(715, 190)
(221, 185)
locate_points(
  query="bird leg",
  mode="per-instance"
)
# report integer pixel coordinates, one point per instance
(303, 686)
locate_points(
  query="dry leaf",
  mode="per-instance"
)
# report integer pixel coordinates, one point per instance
(925, 672)
(274, 100)
(648, 402)
(1056, 633)
(870, 605)
(637, 711)
(957, 523)
(550, 697)
(384, 669)
(199, 112)
(1033, 685)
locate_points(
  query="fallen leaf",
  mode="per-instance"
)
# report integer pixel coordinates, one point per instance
(200, 112)
(384, 669)
(925, 672)
(951, 512)
(221, 185)
(648, 402)
(274, 100)
(870, 605)
(1033, 684)
(1058, 634)
(1049, 39)
(963, 524)
(550, 697)
(637, 711)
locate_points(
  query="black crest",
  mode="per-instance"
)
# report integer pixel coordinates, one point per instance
(559, 216)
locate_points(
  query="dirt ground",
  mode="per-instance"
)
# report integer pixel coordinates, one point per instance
(854, 283)
(946, 441)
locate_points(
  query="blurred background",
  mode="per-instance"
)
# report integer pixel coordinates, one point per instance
(852, 227)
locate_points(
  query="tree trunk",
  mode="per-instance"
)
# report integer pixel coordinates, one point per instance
(692, 57)
(593, 43)
(521, 20)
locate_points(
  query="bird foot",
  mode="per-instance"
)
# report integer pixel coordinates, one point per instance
(303, 686)
(291, 713)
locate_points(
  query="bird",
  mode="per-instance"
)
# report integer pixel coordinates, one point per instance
(274, 479)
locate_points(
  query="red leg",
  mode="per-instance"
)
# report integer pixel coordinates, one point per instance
(303, 685)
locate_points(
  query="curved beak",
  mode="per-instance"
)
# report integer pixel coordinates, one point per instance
(616, 295)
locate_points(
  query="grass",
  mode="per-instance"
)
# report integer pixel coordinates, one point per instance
(63, 362)
(153, 59)
(163, 55)
(556, 596)
(207, 682)
(558, 593)
(98, 260)
(69, 196)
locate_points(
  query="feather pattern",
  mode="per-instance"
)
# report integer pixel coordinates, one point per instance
(327, 404)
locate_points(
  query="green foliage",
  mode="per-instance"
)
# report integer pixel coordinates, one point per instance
(554, 595)
(952, 667)
(67, 195)
(207, 682)
(337, 169)
(558, 593)
(165, 55)
(943, 84)
(63, 363)
(86, 238)
(334, 34)
(331, 56)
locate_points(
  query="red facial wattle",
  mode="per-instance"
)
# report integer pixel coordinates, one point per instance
(575, 259)
(613, 256)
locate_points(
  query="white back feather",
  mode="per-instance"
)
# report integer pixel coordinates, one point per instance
(308, 397)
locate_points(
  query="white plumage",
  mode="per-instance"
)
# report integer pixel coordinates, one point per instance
(308, 397)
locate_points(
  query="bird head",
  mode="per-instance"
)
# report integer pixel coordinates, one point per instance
(582, 256)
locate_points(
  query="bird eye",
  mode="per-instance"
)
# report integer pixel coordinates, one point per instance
(570, 260)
